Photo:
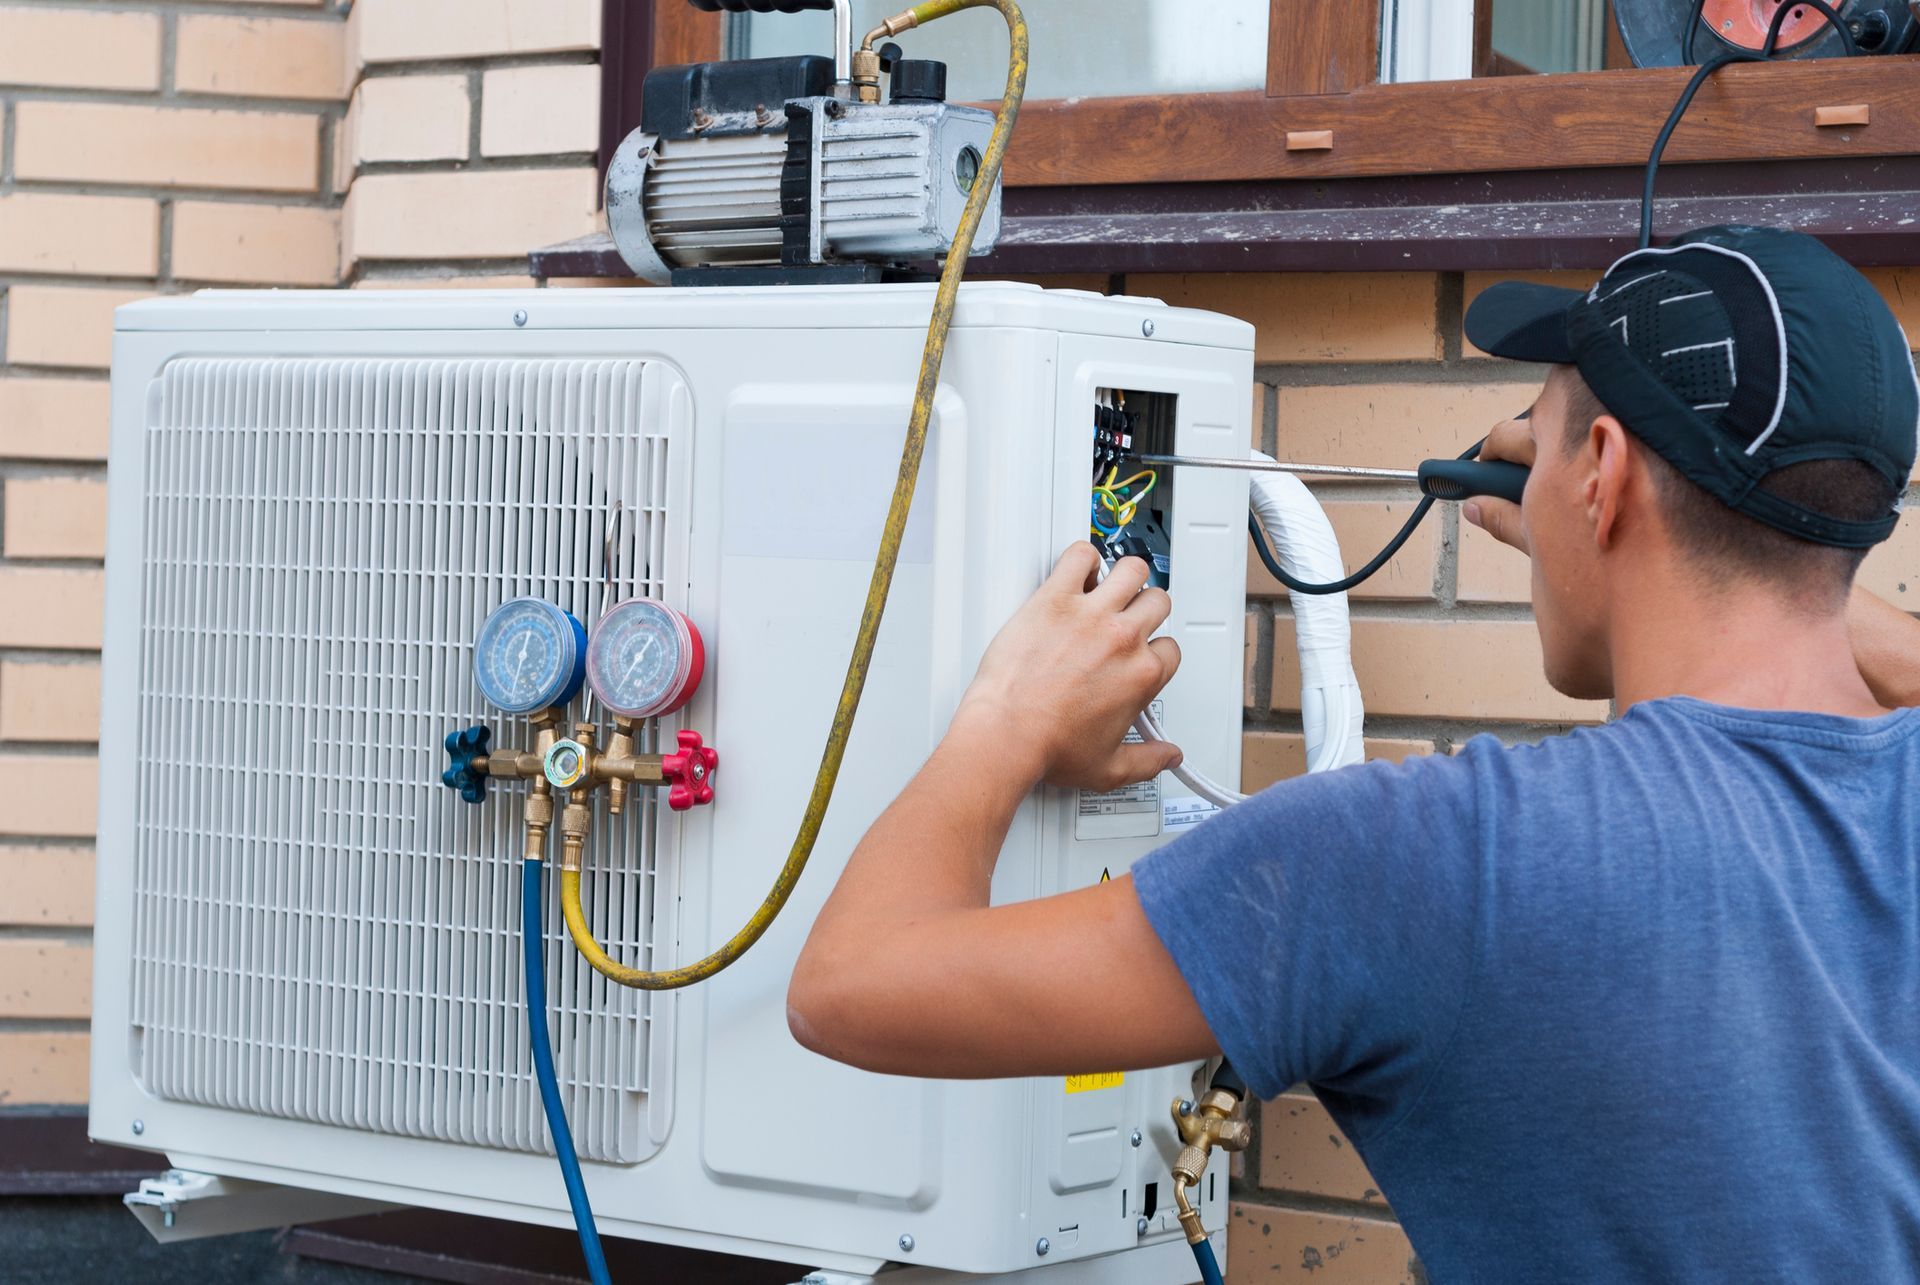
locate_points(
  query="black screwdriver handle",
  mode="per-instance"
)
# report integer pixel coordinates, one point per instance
(1464, 479)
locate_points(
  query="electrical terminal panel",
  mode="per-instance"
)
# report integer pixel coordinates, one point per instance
(1132, 500)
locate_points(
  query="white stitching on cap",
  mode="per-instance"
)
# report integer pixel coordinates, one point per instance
(1779, 323)
(1682, 298)
(1622, 323)
(1733, 366)
(1651, 276)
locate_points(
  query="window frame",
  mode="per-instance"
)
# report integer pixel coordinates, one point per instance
(1503, 171)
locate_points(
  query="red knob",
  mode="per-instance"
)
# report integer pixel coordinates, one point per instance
(690, 773)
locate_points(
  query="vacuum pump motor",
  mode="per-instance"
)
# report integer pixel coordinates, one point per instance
(769, 164)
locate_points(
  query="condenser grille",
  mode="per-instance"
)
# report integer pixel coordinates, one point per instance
(322, 931)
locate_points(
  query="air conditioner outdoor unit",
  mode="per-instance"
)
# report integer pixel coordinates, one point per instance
(308, 950)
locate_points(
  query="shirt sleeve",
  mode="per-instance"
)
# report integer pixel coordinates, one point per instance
(1327, 926)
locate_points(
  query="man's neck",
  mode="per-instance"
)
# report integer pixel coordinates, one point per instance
(1734, 644)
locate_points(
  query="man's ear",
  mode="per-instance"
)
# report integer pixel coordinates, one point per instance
(1610, 464)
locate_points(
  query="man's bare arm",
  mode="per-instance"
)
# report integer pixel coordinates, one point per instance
(1886, 646)
(909, 970)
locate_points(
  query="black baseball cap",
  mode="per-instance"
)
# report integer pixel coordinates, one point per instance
(1733, 352)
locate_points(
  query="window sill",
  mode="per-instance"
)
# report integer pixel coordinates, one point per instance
(1868, 210)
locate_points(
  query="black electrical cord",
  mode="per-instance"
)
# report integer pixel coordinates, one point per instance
(1394, 546)
(1705, 73)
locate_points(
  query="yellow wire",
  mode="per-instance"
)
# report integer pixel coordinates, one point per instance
(883, 566)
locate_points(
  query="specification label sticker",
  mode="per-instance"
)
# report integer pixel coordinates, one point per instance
(1098, 1080)
(1185, 813)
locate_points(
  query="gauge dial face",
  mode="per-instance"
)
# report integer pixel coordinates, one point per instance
(527, 657)
(646, 659)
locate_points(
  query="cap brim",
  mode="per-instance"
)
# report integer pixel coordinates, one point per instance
(1523, 321)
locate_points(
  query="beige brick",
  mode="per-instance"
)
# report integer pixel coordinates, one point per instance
(1364, 528)
(55, 517)
(50, 609)
(45, 979)
(63, 326)
(1273, 1245)
(1303, 1150)
(1393, 425)
(109, 236)
(54, 419)
(411, 118)
(261, 57)
(423, 29)
(1261, 392)
(167, 146)
(1251, 662)
(598, 283)
(503, 214)
(1267, 757)
(49, 702)
(277, 245)
(1491, 571)
(540, 111)
(46, 887)
(1893, 569)
(43, 1068)
(1315, 317)
(74, 49)
(1483, 669)
(49, 796)
(1477, 282)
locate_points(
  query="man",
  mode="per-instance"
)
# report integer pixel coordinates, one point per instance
(1639, 1003)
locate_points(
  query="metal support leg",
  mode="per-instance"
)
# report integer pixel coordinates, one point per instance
(181, 1205)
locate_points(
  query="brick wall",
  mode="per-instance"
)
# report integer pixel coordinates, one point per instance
(161, 145)
(470, 138)
(145, 147)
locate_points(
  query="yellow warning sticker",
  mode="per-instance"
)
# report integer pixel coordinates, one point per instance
(1098, 1080)
(1106, 876)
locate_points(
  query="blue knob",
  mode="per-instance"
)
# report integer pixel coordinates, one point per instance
(463, 748)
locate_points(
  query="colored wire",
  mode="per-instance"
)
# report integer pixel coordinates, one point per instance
(1365, 573)
(534, 942)
(1705, 73)
(885, 561)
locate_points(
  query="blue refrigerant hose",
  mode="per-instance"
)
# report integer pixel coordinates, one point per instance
(1209, 1265)
(534, 940)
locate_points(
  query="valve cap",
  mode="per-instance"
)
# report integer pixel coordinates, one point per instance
(463, 751)
(690, 772)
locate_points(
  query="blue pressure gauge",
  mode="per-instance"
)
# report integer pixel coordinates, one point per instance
(530, 656)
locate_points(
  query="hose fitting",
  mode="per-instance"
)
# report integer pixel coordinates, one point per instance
(1211, 1122)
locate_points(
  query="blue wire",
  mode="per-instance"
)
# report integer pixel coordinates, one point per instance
(533, 937)
(1209, 1265)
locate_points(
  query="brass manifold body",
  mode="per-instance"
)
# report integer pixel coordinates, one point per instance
(577, 766)
(1213, 1121)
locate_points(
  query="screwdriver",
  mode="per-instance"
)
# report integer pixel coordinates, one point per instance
(1441, 479)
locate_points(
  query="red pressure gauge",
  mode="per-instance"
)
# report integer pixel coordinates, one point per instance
(645, 659)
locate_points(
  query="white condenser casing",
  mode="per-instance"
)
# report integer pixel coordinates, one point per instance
(308, 964)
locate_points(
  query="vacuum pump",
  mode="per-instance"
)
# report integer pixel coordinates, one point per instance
(782, 170)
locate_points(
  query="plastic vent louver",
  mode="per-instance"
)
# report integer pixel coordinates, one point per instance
(324, 933)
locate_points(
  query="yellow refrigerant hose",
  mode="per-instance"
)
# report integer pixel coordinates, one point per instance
(890, 537)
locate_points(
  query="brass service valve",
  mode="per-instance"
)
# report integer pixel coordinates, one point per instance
(1213, 1121)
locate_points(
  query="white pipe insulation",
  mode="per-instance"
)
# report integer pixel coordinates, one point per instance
(1330, 704)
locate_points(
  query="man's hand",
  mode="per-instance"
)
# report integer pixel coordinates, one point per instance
(1071, 671)
(1511, 441)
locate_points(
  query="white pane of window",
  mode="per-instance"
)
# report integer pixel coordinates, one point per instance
(1081, 48)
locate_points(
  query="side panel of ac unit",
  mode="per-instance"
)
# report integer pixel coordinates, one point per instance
(775, 422)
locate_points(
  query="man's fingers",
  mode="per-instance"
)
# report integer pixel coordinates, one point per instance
(1148, 610)
(1167, 652)
(1499, 519)
(1511, 441)
(1128, 577)
(1132, 764)
(1075, 571)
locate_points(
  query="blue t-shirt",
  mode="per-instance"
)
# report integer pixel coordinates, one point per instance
(1641, 1003)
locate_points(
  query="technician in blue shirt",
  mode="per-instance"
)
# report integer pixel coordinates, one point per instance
(1638, 1003)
